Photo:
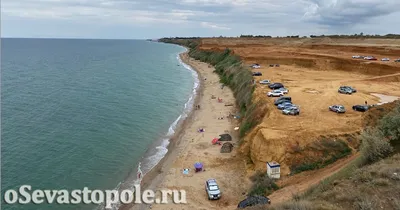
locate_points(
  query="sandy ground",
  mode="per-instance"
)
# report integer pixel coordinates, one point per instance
(193, 146)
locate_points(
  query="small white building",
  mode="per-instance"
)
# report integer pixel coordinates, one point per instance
(273, 170)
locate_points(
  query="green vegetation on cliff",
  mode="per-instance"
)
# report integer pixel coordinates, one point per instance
(232, 73)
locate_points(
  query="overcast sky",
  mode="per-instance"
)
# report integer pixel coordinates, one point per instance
(138, 19)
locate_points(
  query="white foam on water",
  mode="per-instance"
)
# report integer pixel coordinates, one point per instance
(161, 150)
(171, 129)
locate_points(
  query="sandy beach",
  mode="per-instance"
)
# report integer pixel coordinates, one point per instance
(190, 146)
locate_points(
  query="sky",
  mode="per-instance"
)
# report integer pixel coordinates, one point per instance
(143, 19)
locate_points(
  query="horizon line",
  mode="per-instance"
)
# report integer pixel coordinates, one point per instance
(73, 38)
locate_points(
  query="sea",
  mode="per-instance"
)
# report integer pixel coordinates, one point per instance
(81, 113)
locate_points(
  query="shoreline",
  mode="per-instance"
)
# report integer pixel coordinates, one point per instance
(190, 146)
(154, 177)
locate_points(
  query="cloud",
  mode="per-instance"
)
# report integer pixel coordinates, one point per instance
(205, 17)
(348, 12)
(214, 26)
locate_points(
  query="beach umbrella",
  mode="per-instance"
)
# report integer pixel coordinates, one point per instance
(198, 165)
(214, 141)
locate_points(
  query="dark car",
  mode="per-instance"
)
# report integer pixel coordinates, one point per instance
(397, 60)
(276, 86)
(257, 74)
(254, 201)
(360, 108)
(282, 99)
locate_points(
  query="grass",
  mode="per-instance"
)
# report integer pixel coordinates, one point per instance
(332, 150)
(262, 184)
(357, 186)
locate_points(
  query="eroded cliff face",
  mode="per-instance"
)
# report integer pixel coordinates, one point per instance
(294, 154)
(263, 145)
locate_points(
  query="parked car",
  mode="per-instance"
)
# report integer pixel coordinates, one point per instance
(276, 86)
(282, 99)
(212, 189)
(253, 201)
(284, 90)
(257, 74)
(345, 90)
(265, 82)
(291, 111)
(337, 108)
(360, 108)
(284, 105)
(371, 58)
(397, 60)
(385, 59)
(357, 56)
(255, 66)
(351, 88)
(275, 93)
(271, 65)
(277, 65)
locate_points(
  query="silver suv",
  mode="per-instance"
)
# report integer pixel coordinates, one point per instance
(212, 189)
(337, 108)
(345, 90)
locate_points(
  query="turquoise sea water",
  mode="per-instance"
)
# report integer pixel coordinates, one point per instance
(78, 113)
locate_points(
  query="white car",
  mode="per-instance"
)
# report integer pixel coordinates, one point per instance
(212, 189)
(275, 93)
(385, 59)
(371, 58)
(284, 90)
(265, 82)
(356, 56)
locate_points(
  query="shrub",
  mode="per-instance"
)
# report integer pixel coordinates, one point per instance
(374, 146)
(389, 125)
(365, 204)
(262, 184)
(333, 150)
(381, 182)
